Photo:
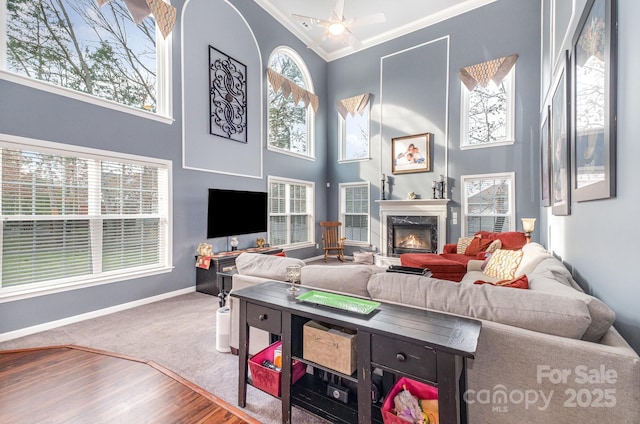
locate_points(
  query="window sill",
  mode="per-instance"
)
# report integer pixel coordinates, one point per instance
(289, 153)
(11, 294)
(485, 145)
(354, 160)
(83, 97)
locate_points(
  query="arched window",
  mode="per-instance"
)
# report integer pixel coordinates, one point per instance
(79, 49)
(291, 104)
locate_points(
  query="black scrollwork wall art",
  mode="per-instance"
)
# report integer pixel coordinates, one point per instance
(228, 96)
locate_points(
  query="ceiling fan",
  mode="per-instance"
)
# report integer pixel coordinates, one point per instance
(338, 26)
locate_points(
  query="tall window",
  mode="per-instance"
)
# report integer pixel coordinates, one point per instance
(85, 48)
(488, 203)
(79, 216)
(354, 212)
(353, 128)
(291, 215)
(488, 113)
(290, 119)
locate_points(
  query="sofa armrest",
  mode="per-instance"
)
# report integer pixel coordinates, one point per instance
(450, 248)
(474, 265)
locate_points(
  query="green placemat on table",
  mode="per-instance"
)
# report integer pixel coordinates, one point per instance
(338, 301)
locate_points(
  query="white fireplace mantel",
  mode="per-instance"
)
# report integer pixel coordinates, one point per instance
(416, 207)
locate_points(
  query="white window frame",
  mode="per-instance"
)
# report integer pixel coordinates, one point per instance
(72, 283)
(310, 187)
(164, 109)
(342, 138)
(311, 116)
(509, 81)
(343, 198)
(511, 176)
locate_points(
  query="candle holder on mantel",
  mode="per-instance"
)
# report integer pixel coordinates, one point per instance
(382, 189)
(438, 188)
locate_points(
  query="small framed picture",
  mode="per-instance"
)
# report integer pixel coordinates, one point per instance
(411, 154)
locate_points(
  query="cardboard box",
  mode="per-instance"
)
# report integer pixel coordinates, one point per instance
(329, 347)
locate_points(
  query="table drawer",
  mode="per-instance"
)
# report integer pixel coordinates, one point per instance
(404, 357)
(264, 318)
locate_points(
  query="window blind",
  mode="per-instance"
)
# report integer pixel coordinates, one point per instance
(67, 217)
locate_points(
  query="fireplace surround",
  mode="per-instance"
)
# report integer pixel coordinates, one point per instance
(411, 226)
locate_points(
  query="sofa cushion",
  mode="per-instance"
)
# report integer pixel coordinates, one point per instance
(602, 317)
(532, 255)
(477, 245)
(503, 264)
(463, 243)
(521, 282)
(265, 266)
(495, 245)
(348, 279)
(511, 240)
(363, 258)
(543, 312)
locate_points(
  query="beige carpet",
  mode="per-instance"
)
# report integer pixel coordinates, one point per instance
(179, 334)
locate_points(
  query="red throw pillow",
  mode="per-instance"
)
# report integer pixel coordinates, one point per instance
(476, 246)
(521, 282)
(280, 254)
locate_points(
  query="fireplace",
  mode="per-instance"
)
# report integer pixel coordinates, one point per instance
(412, 234)
(411, 226)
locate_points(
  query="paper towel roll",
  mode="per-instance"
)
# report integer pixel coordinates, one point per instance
(223, 329)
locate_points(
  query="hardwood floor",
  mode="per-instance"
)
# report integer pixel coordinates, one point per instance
(71, 384)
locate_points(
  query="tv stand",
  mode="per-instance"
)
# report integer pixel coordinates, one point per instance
(210, 282)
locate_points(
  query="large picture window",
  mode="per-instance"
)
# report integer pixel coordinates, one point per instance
(290, 117)
(291, 214)
(354, 212)
(79, 217)
(84, 48)
(488, 203)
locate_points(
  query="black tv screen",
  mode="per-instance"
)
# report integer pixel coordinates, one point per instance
(236, 212)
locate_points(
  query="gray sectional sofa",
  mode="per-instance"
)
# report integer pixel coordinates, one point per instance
(549, 354)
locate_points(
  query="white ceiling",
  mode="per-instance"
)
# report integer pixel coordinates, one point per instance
(402, 17)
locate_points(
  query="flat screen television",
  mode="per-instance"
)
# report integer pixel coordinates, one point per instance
(236, 212)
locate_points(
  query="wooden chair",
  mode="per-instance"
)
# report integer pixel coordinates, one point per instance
(331, 240)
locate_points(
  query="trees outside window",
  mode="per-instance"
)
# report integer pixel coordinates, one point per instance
(83, 47)
(488, 114)
(75, 217)
(290, 122)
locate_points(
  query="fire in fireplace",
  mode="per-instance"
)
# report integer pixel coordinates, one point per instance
(412, 234)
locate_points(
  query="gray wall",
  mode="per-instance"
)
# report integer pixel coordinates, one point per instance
(598, 241)
(408, 79)
(28, 112)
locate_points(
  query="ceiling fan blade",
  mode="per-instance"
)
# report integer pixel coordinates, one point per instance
(318, 40)
(310, 20)
(376, 18)
(338, 9)
(352, 41)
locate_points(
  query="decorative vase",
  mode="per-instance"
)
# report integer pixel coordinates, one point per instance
(234, 243)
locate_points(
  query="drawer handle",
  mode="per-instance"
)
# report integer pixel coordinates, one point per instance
(262, 317)
(401, 357)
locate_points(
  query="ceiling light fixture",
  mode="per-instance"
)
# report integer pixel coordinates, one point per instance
(336, 28)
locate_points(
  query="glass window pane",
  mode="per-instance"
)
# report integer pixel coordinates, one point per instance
(79, 45)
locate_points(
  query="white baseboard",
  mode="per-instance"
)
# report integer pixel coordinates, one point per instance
(93, 314)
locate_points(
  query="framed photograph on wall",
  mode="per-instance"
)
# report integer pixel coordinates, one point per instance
(559, 143)
(411, 154)
(545, 163)
(594, 102)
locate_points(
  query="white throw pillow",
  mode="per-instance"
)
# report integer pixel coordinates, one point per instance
(363, 258)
